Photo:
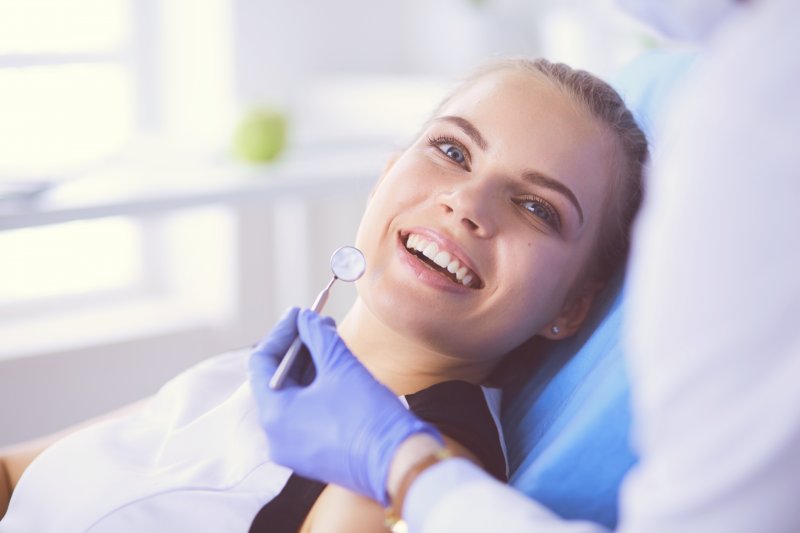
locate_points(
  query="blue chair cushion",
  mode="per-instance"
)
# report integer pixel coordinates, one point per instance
(566, 418)
(649, 82)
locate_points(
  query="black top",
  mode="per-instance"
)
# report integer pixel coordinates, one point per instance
(457, 408)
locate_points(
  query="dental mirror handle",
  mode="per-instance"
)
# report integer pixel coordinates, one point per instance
(285, 365)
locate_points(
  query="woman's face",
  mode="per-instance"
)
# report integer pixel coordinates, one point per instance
(505, 190)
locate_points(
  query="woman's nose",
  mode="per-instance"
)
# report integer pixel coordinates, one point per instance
(471, 204)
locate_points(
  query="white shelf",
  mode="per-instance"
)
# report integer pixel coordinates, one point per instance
(133, 191)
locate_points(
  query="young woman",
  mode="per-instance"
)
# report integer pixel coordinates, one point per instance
(500, 222)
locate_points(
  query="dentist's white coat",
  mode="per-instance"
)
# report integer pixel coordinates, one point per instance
(714, 335)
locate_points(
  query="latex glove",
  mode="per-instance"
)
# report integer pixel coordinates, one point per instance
(344, 427)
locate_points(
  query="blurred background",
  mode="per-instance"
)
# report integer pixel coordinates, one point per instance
(138, 235)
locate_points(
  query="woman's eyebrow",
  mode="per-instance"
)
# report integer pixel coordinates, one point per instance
(537, 178)
(468, 128)
(531, 176)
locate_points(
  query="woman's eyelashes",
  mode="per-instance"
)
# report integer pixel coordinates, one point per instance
(536, 207)
(541, 209)
(452, 149)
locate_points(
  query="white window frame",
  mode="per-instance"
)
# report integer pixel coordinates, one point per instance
(138, 55)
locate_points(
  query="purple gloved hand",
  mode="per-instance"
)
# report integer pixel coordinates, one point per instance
(344, 427)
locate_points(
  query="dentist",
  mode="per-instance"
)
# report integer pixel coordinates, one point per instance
(714, 342)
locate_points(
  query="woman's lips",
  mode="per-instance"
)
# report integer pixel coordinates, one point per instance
(426, 252)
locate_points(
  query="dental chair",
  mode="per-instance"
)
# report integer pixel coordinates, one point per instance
(566, 413)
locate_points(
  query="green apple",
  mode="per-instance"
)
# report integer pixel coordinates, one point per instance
(261, 135)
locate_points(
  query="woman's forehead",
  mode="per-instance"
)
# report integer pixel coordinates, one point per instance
(527, 113)
(524, 92)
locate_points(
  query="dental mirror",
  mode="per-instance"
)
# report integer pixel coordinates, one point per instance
(347, 264)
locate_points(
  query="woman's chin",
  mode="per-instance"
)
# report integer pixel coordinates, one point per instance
(420, 321)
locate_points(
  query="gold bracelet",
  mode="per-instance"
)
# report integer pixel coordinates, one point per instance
(394, 513)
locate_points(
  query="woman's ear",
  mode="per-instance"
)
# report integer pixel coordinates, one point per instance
(573, 314)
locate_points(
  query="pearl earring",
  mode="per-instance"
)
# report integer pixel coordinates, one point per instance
(556, 330)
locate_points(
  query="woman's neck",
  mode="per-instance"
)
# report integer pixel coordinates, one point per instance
(398, 360)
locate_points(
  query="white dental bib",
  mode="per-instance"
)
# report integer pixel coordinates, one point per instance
(193, 459)
(196, 452)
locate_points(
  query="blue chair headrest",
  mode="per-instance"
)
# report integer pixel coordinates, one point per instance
(566, 418)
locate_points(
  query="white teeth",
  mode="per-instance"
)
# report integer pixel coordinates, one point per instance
(442, 259)
(430, 250)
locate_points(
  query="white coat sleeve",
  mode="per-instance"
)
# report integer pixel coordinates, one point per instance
(456, 495)
(714, 315)
(714, 304)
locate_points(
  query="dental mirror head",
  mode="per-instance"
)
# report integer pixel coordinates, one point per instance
(348, 263)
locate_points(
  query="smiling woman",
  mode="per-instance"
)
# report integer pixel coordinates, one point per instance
(524, 187)
(603, 105)
(498, 223)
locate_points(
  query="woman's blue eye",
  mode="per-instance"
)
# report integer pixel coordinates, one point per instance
(542, 211)
(451, 148)
(453, 152)
(537, 209)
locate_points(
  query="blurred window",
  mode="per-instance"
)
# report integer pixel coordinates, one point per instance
(55, 26)
(61, 118)
(67, 260)
(67, 102)
(66, 87)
